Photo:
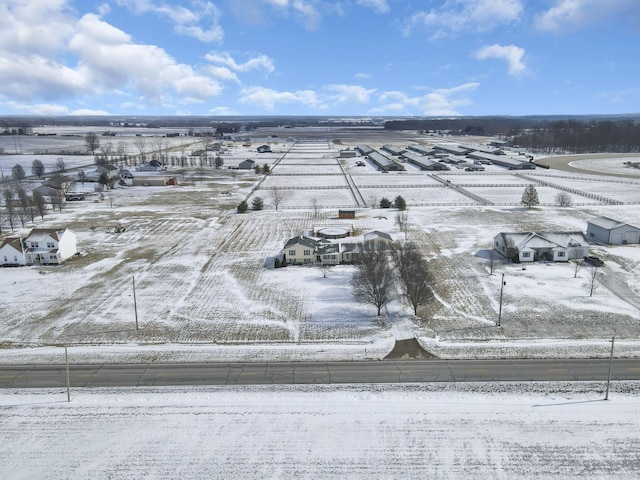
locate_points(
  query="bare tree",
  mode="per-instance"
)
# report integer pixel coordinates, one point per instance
(39, 203)
(141, 145)
(60, 166)
(37, 168)
(530, 196)
(122, 151)
(18, 173)
(92, 142)
(593, 280)
(372, 282)
(277, 196)
(576, 267)
(9, 206)
(413, 272)
(25, 211)
(106, 150)
(82, 176)
(563, 199)
(315, 205)
(402, 221)
(57, 200)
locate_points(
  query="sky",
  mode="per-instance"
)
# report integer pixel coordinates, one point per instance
(319, 57)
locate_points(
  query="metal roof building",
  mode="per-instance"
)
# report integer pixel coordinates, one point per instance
(384, 163)
(423, 162)
(364, 149)
(393, 150)
(421, 149)
(503, 161)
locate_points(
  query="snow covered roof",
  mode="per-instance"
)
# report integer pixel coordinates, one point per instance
(607, 223)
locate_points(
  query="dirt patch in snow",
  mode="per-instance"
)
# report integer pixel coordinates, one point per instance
(409, 348)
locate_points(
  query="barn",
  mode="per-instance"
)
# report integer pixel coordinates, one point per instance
(612, 232)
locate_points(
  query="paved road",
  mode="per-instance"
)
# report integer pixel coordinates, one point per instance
(128, 375)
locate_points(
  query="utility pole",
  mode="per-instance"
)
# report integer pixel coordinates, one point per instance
(502, 284)
(66, 364)
(135, 305)
(606, 396)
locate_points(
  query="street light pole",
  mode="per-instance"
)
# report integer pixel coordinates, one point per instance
(502, 284)
(606, 396)
(135, 305)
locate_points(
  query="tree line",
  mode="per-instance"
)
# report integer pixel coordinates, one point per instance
(575, 136)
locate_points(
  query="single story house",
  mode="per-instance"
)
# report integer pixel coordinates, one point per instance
(12, 252)
(612, 232)
(534, 246)
(247, 164)
(264, 149)
(152, 166)
(59, 182)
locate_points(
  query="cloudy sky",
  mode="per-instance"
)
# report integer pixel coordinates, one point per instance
(319, 57)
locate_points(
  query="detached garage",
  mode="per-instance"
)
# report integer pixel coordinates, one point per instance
(612, 232)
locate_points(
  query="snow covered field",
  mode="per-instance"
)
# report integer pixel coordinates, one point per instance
(457, 431)
(201, 285)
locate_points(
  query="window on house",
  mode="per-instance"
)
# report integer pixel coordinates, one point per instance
(307, 252)
(526, 254)
(5, 259)
(15, 258)
(591, 234)
(560, 254)
(292, 253)
(50, 245)
(34, 244)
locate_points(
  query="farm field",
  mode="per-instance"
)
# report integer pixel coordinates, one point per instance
(200, 278)
(446, 431)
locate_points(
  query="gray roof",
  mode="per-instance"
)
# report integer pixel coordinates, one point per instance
(607, 223)
(302, 240)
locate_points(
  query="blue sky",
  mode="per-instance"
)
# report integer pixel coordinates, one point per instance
(319, 57)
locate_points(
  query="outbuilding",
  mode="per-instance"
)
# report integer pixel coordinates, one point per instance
(612, 232)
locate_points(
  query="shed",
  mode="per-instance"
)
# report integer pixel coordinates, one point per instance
(612, 232)
(150, 181)
(247, 164)
(346, 214)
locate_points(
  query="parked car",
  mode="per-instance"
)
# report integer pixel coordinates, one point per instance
(360, 164)
(595, 261)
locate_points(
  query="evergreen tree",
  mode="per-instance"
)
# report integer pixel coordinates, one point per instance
(530, 196)
(257, 203)
(242, 207)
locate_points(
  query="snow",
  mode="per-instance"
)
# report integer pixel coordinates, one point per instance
(444, 431)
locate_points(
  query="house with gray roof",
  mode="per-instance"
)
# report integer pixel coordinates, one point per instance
(612, 232)
(535, 246)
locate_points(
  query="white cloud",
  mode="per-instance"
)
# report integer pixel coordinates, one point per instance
(309, 13)
(580, 13)
(363, 75)
(38, 108)
(108, 60)
(441, 101)
(223, 111)
(510, 53)
(261, 62)
(461, 15)
(88, 111)
(186, 21)
(379, 6)
(268, 98)
(337, 94)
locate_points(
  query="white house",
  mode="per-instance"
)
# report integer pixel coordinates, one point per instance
(300, 250)
(44, 246)
(12, 252)
(612, 232)
(534, 246)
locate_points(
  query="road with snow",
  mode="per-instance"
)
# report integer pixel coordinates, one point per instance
(289, 373)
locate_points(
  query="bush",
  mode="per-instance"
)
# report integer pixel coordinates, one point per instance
(257, 203)
(242, 207)
(385, 203)
(400, 203)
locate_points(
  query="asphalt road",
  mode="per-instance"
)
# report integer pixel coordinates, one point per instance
(287, 373)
